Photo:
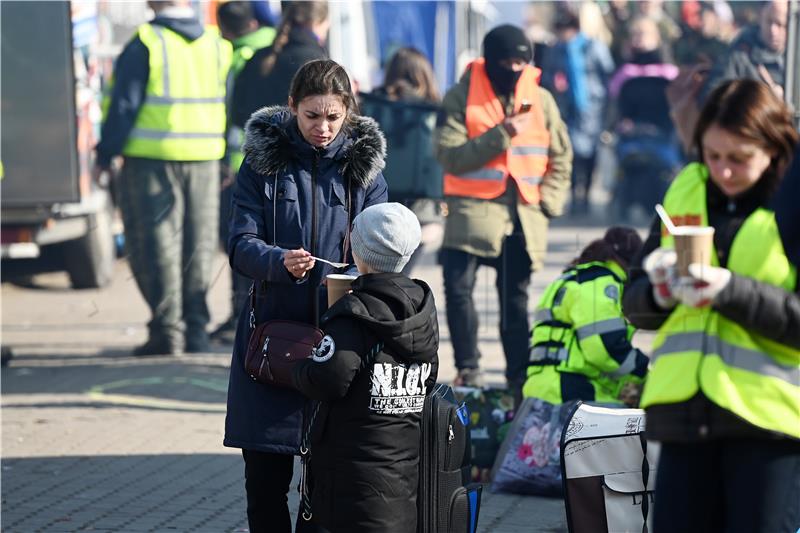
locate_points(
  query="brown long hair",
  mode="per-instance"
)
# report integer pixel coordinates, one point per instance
(409, 73)
(295, 14)
(321, 77)
(750, 109)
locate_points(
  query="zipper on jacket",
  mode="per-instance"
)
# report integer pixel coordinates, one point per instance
(313, 292)
(314, 170)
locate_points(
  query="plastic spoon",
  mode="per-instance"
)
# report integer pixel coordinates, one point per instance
(331, 263)
(662, 213)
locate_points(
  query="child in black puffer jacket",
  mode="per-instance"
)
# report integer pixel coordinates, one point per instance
(371, 373)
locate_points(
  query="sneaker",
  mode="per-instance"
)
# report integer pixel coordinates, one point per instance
(156, 347)
(469, 377)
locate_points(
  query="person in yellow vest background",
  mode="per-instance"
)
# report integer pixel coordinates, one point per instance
(166, 117)
(723, 390)
(238, 25)
(580, 346)
(507, 160)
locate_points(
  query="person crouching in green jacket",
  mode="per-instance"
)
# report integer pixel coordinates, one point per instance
(580, 345)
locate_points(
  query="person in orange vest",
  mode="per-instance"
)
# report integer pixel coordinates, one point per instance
(507, 160)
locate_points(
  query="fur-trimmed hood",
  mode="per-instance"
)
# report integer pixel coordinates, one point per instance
(269, 146)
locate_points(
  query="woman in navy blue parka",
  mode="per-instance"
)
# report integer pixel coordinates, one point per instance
(316, 152)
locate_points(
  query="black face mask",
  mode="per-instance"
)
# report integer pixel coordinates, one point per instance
(646, 58)
(504, 80)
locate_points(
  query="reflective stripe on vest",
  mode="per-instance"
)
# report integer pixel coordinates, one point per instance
(627, 366)
(484, 174)
(167, 100)
(527, 158)
(602, 326)
(542, 315)
(548, 353)
(700, 350)
(732, 355)
(183, 114)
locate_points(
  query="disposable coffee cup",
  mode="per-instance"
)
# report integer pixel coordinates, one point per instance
(693, 244)
(338, 286)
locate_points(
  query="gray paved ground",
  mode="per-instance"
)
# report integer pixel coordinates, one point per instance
(94, 439)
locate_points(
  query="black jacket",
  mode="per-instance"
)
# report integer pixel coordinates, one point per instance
(787, 211)
(747, 52)
(366, 436)
(131, 72)
(252, 90)
(765, 309)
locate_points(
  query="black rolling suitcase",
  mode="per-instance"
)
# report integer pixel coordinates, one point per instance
(446, 501)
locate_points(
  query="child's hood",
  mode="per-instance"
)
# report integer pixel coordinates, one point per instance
(399, 311)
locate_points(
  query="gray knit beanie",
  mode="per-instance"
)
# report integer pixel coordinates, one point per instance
(385, 235)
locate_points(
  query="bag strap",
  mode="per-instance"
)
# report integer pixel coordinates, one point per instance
(345, 244)
(305, 452)
(274, 243)
(645, 479)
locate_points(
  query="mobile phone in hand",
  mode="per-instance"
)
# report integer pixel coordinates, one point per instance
(525, 107)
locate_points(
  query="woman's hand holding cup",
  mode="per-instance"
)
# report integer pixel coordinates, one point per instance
(661, 267)
(298, 262)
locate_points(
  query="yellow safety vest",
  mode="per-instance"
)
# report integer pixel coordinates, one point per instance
(574, 312)
(700, 350)
(183, 114)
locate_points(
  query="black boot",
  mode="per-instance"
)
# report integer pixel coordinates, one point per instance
(197, 341)
(157, 346)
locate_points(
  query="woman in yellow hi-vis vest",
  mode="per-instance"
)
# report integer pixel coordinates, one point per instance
(723, 391)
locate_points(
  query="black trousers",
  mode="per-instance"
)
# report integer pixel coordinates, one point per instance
(747, 486)
(267, 480)
(582, 172)
(513, 268)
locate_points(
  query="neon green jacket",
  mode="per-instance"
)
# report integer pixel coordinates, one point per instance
(580, 342)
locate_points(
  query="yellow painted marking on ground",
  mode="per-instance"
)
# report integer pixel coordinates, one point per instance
(155, 403)
(98, 393)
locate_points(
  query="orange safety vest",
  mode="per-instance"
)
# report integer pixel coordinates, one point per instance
(525, 161)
